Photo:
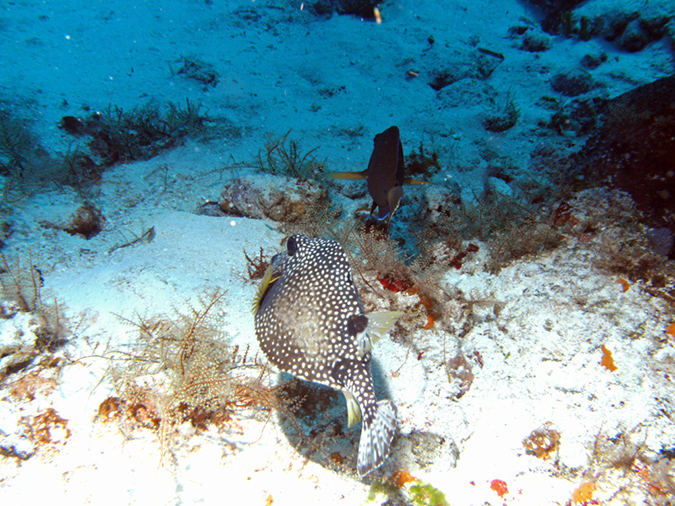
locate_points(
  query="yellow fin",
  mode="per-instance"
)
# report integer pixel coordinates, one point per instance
(409, 180)
(267, 279)
(353, 409)
(378, 325)
(381, 323)
(349, 175)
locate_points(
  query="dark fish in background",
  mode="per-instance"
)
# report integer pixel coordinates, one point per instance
(385, 174)
(310, 322)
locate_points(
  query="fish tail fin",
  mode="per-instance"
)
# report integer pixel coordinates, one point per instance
(377, 434)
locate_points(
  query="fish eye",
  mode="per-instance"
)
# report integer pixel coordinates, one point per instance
(292, 246)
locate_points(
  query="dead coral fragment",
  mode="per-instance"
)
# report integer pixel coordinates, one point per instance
(110, 409)
(458, 369)
(257, 265)
(583, 493)
(87, 222)
(625, 285)
(31, 384)
(47, 427)
(147, 236)
(500, 487)
(194, 68)
(542, 441)
(504, 119)
(401, 478)
(607, 360)
(278, 198)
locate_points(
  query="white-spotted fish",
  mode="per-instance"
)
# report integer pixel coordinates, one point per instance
(310, 322)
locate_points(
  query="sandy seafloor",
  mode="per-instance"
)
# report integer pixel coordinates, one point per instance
(281, 69)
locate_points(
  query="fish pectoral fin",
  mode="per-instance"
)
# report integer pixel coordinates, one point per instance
(353, 409)
(382, 213)
(394, 198)
(349, 175)
(265, 283)
(381, 323)
(364, 345)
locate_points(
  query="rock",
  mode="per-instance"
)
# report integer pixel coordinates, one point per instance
(495, 186)
(661, 240)
(572, 83)
(444, 66)
(593, 61)
(278, 198)
(419, 450)
(194, 68)
(553, 12)
(17, 341)
(634, 150)
(87, 222)
(615, 22)
(502, 120)
(633, 39)
(535, 42)
(580, 115)
(440, 206)
(13, 441)
(655, 26)
(633, 31)
(353, 189)
(467, 93)
(72, 125)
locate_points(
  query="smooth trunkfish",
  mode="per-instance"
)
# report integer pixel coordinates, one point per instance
(310, 322)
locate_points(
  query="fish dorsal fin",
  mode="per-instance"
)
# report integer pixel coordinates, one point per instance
(400, 164)
(266, 282)
(349, 175)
